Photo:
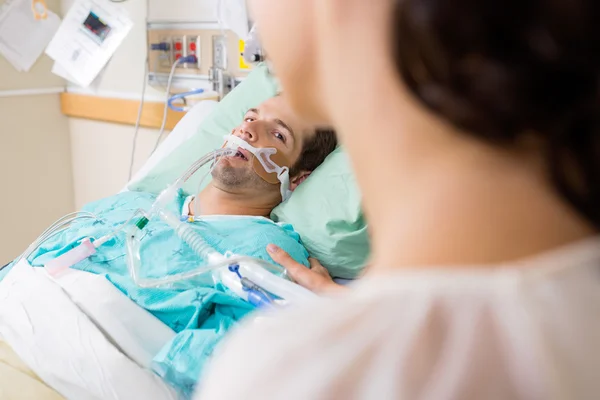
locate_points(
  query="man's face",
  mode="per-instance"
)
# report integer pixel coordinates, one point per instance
(272, 124)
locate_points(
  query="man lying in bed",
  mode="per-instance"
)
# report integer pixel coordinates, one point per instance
(202, 314)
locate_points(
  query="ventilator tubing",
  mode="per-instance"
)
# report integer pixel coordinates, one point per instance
(183, 230)
(258, 271)
(214, 260)
(270, 277)
(59, 226)
(167, 196)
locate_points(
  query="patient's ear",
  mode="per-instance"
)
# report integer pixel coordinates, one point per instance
(298, 179)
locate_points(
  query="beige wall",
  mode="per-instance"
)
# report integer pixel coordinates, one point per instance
(101, 153)
(35, 155)
(35, 170)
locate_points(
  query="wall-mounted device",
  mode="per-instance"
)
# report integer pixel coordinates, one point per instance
(222, 80)
(216, 57)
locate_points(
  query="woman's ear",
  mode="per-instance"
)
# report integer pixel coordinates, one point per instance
(298, 179)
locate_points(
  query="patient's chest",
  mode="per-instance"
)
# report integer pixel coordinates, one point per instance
(163, 252)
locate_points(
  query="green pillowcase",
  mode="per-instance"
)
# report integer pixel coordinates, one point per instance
(325, 210)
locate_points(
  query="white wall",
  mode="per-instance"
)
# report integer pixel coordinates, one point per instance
(183, 10)
(101, 157)
(35, 157)
(101, 151)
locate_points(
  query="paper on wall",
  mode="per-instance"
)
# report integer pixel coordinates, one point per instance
(90, 34)
(59, 70)
(22, 37)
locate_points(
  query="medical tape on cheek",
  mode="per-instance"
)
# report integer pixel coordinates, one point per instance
(269, 166)
(267, 162)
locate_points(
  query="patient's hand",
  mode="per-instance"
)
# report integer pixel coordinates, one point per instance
(315, 279)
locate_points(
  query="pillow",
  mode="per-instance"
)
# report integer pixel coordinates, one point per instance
(256, 88)
(325, 209)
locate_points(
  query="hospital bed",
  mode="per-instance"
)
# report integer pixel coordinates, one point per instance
(19, 381)
(110, 361)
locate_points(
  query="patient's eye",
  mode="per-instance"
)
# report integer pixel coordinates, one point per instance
(279, 136)
(249, 119)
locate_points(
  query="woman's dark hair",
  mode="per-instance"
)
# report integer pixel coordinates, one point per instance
(501, 68)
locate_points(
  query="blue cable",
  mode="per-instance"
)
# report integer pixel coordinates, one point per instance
(181, 96)
(188, 59)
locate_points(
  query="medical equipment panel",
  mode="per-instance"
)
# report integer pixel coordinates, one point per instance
(216, 52)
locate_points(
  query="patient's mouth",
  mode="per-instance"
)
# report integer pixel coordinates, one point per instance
(241, 155)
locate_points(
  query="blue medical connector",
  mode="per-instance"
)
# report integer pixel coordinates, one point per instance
(257, 296)
(162, 46)
(235, 268)
(188, 60)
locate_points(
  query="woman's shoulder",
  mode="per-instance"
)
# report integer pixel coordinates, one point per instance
(498, 334)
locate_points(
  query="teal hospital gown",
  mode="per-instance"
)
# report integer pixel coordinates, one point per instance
(200, 315)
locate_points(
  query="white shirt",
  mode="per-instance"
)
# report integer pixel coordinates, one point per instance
(526, 331)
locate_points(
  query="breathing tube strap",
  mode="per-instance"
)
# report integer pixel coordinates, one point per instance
(271, 172)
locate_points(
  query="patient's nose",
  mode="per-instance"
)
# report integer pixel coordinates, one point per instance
(249, 131)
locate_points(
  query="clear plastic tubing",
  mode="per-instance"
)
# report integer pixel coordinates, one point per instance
(183, 230)
(195, 241)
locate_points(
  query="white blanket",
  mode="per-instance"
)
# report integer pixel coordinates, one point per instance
(62, 345)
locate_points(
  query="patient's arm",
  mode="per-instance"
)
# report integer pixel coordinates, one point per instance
(316, 279)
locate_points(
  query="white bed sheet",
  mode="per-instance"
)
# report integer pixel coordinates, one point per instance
(53, 336)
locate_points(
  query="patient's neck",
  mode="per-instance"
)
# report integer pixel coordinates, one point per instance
(217, 201)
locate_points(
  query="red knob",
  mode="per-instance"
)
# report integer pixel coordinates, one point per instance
(193, 46)
(178, 46)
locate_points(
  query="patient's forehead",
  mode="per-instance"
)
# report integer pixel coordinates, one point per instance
(278, 108)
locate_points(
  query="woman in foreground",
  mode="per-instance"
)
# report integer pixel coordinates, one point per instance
(474, 131)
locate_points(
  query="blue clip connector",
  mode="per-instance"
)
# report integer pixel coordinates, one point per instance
(235, 268)
(256, 295)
